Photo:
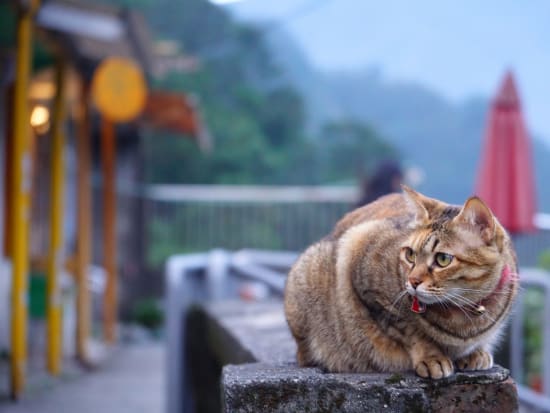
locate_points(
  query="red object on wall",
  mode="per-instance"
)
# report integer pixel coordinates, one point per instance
(178, 113)
(505, 180)
(172, 111)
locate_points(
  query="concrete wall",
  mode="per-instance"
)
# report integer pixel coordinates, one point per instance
(252, 342)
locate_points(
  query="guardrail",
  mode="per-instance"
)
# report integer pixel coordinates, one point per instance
(531, 278)
(183, 290)
(194, 278)
(195, 218)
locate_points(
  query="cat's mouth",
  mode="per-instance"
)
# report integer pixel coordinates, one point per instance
(418, 306)
(422, 301)
(421, 296)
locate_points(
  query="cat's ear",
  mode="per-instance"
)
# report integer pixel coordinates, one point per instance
(422, 205)
(477, 217)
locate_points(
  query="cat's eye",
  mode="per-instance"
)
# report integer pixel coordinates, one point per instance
(410, 255)
(442, 259)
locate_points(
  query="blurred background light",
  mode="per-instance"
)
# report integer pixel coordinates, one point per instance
(40, 119)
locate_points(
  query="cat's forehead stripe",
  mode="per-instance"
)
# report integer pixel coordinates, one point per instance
(421, 239)
(430, 242)
(426, 241)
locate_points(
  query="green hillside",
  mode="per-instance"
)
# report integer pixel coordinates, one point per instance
(257, 117)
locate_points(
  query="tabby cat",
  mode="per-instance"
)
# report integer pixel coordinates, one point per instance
(406, 282)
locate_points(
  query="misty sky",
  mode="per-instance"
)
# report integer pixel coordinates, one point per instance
(459, 48)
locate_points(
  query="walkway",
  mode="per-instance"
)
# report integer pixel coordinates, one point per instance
(131, 381)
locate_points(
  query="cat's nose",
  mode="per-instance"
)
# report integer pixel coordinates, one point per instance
(415, 282)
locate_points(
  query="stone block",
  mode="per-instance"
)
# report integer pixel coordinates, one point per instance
(261, 387)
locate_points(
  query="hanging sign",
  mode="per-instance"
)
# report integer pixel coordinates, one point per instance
(119, 90)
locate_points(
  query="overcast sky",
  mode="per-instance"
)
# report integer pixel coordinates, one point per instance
(460, 48)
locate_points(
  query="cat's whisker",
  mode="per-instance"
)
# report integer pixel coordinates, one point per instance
(392, 310)
(466, 302)
(445, 298)
(461, 308)
(486, 314)
(472, 305)
(478, 290)
(441, 302)
(398, 300)
(399, 297)
(465, 307)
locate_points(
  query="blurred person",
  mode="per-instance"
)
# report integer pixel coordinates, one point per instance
(387, 178)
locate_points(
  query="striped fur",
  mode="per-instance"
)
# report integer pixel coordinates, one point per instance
(348, 297)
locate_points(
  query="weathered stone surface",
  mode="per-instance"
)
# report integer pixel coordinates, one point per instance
(263, 387)
(270, 381)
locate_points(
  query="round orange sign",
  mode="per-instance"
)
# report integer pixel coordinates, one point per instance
(119, 89)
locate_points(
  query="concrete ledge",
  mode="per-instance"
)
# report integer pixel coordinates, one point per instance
(262, 387)
(252, 341)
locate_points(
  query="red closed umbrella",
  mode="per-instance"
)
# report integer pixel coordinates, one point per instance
(505, 180)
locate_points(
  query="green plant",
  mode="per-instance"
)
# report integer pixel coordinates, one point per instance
(544, 260)
(533, 319)
(148, 313)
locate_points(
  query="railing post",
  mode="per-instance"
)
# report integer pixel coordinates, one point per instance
(516, 338)
(176, 271)
(532, 277)
(216, 273)
(546, 344)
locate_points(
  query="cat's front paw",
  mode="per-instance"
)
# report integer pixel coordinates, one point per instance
(478, 360)
(435, 367)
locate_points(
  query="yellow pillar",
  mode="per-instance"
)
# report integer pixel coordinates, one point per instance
(55, 248)
(108, 154)
(84, 225)
(19, 199)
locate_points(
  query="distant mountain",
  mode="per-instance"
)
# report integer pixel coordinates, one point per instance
(301, 74)
(432, 134)
(442, 138)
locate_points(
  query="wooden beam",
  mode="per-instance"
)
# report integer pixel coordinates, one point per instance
(84, 224)
(20, 200)
(108, 154)
(55, 259)
(8, 177)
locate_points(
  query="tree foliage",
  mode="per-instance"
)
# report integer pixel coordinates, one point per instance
(256, 118)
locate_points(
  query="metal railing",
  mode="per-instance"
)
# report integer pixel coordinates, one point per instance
(270, 267)
(540, 279)
(212, 281)
(194, 218)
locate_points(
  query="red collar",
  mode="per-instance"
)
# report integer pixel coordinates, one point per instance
(506, 277)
